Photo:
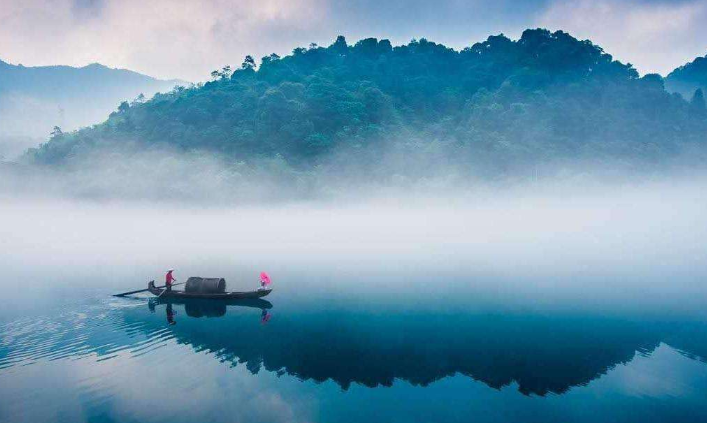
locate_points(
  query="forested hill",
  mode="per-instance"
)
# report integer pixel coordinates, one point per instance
(496, 103)
(689, 78)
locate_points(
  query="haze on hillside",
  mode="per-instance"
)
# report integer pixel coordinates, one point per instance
(33, 100)
(688, 78)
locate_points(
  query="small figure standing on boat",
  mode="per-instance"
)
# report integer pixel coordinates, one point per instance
(264, 281)
(169, 279)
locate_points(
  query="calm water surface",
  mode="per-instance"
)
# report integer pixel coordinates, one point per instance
(381, 347)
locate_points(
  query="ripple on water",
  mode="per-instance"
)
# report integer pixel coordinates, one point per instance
(99, 331)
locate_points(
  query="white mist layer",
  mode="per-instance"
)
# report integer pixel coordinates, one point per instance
(517, 232)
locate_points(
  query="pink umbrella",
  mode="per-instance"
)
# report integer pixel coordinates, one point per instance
(264, 279)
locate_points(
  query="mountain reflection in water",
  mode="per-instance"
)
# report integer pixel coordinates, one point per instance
(541, 353)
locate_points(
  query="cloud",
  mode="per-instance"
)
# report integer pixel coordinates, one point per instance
(188, 39)
(88, 8)
(168, 38)
(656, 36)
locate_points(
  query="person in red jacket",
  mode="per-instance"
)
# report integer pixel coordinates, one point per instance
(169, 279)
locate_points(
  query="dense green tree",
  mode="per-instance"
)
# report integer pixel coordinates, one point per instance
(492, 106)
(248, 63)
(139, 99)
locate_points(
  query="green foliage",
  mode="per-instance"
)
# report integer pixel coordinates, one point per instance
(495, 104)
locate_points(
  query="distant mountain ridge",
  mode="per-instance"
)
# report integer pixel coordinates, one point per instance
(35, 99)
(42, 80)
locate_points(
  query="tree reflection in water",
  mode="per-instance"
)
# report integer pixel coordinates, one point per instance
(542, 353)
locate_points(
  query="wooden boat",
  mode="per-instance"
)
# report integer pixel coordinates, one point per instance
(259, 293)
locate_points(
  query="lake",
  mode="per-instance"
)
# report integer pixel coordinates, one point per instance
(364, 323)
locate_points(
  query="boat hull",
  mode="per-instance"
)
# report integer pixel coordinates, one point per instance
(220, 296)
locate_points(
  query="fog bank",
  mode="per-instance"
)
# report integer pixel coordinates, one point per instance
(516, 232)
(137, 173)
(401, 214)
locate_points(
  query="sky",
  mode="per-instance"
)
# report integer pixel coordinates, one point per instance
(187, 39)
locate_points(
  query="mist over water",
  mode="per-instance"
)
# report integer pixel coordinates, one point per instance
(539, 239)
(134, 172)
(531, 294)
(542, 224)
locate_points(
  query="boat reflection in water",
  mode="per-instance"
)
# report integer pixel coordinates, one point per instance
(197, 308)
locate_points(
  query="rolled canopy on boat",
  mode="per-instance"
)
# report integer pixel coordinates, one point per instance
(200, 285)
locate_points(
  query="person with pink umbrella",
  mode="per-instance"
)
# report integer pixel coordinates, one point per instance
(264, 280)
